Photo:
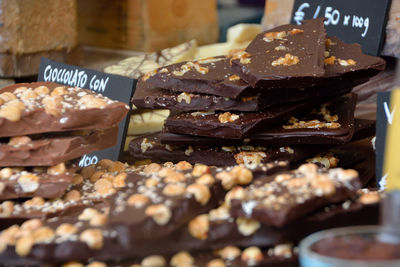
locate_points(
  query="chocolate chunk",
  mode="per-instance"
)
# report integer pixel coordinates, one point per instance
(31, 108)
(149, 147)
(52, 149)
(49, 182)
(151, 97)
(207, 76)
(332, 123)
(285, 57)
(283, 198)
(235, 125)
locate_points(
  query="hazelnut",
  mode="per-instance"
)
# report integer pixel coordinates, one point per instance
(96, 264)
(91, 101)
(348, 62)
(28, 182)
(104, 187)
(229, 253)
(189, 151)
(160, 213)
(181, 259)
(252, 255)
(72, 264)
(43, 235)
(227, 117)
(93, 238)
(7, 97)
(87, 214)
(35, 201)
(201, 193)
(235, 193)
(2, 187)
(323, 187)
(370, 198)
(184, 97)
(28, 94)
(42, 90)
(31, 225)
(57, 169)
(308, 168)
(119, 180)
(199, 226)
(66, 229)
(216, 263)
(234, 77)
(87, 172)
(19, 140)
(151, 182)
(330, 60)
(244, 175)
(283, 250)
(6, 173)
(247, 226)
(52, 105)
(24, 245)
(174, 177)
(12, 110)
(98, 219)
(183, 166)
(200, 169)
(173, 190)
(138, 200)
(152, 168)
(77, 179)
(96, 176)
(6, 208)
(59, 90)
(73, 195)
(145, 145)
(227, 179)
(206, 179)
(153, 261)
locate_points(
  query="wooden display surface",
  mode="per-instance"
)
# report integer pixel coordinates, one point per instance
(278, 12)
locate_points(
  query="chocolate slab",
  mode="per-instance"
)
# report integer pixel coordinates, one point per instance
(150, 147)
(206, 76)
(284, 57)
(147, 96)
(52, 149)
(49, 182)
(231, 125)
(282, 199)
(31, 108)
(332, 123)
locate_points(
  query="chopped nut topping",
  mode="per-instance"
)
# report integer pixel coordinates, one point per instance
(243, 56)
(43, 235)
(198, 227)
(244, 175)
(330, 60)
(370, 198)
(271, 36)
(209, 60)
(328, 160)
(229, 253)
(98, 219)
(201, 193)
(19, 140)
(173, 190)
(24, 245)
(184, 96)
(227, 117)
(72, 264)
(87, 214)
(152, 168)
(6, 208)
(206, 179)
(312, 124)
(31, 225)
(200, 169)
(189, 151)
(28, 182)
(138, 200)
(104, 187)
(288, 60)
(146, 144)
(93, 238)
(91, 101)
(183, 165)
(153, 261)
(149, 74)
(6, 173)
(329, 42)
(53, 105)
(160, 213)
(250, 159)
(252, 255)
(282, 250)
(181, 259)
(295, 31)
(66, 229)
(7, 97)
(119, 180)
(42, 90)
(216, 263)
(346, 63)
(281, 48)
(57, 169)
(247, 226)
(35, 201)
(12, 110)
(234, 77)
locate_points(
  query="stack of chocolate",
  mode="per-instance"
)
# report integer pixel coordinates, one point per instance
(286, 97)
(185, 215)
(43, 127)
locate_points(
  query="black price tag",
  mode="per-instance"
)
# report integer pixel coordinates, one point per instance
(353, 21)
(113, 86)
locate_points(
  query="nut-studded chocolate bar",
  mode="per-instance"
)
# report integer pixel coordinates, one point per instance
(331, 123)
(147, 96)
(207, 76)
(49, 182)
(52, 149)
(234, 125)
(150, 147)
(283, 198)
(31, 108)
(287, 56)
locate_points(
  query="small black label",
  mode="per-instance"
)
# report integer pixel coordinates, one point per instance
(353, 21)
(112, 86)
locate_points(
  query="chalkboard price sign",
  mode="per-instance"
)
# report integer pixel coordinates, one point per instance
(113, 86)
(353, 21)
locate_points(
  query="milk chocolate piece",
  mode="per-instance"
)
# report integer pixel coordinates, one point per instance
(235, 125)
(52, 149)
(49, 107)
(49, 182)
(284, 57)
(149, 147)
(332, 123)
(147, 96)
(207, 76)
(283, 198)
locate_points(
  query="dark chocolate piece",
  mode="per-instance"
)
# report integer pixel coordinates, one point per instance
(207, 76)
(149, 147)
(332, 123)
(231, 125)
(285, 57)
(147, 96)
(52, 149)
(49, 182)
(283, 198)
(43, 107)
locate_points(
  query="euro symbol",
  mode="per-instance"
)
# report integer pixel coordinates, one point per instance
(299, 15)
